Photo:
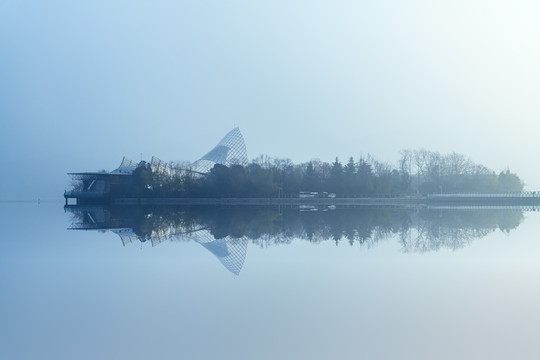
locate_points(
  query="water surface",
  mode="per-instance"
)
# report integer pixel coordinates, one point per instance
(347, 284)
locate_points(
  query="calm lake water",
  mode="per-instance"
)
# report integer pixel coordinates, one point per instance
(224, 283)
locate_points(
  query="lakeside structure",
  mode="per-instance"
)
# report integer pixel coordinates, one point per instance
(117, 187)
(96, 187)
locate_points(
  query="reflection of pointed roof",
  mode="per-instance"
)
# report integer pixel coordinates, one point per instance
(230, 252)
(231, 150)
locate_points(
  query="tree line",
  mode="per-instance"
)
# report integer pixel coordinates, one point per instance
(418, 172)
(454, 173)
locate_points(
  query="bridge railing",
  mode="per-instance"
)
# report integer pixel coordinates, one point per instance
(526, 194)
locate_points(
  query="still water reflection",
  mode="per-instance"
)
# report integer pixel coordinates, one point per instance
(268, 283)
(227, 231)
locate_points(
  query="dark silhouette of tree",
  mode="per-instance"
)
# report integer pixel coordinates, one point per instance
(365, 177)
(335, 182)
(350, 178)
(310, 180)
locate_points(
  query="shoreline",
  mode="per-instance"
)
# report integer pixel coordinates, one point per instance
(522, 199)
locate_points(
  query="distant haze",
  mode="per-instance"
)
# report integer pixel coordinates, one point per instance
(83, 84)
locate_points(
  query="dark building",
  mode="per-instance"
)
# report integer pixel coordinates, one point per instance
(96, 187)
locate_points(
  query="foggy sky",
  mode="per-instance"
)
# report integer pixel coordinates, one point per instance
(83, 84)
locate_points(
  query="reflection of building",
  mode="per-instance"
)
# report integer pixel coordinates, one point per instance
(97, 186)
(231, 252)
(225, 231)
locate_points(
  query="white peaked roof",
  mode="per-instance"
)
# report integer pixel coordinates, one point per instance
(231, 150)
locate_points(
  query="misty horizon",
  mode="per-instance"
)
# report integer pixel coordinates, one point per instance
(85, 84)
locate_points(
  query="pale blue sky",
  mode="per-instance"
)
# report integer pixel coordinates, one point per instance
(84, 83)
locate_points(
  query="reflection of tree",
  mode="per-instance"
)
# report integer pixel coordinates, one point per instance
(418, 230)
(453, 229)
(424, 239)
